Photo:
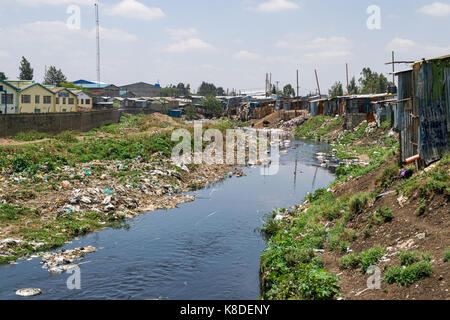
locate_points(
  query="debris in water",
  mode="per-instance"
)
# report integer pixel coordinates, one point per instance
(29, 292)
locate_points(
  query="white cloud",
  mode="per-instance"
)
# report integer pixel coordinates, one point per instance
(277, 5)
(246, 55)
(182, 33)
(191, 44)
(135, 10)
(416, 50)
(400, 45)
(436, 9)
(319, 48)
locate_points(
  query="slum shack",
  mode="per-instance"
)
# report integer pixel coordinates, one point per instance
(359, 108)
(422, 113)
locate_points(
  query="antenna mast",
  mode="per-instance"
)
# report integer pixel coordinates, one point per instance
(98, 42)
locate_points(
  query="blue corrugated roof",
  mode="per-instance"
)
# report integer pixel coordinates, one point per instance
(94, 85)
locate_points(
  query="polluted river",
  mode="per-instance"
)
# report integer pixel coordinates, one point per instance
(205, 249)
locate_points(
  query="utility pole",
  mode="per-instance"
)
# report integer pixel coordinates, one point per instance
(317, 80)
(97, 21)
(346, 70)
(298, 87)
(393, 68)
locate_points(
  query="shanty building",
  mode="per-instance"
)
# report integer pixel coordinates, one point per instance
(422, 114)
(142, 89)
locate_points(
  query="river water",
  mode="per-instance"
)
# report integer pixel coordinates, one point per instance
(207, 249)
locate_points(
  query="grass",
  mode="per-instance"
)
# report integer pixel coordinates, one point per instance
(30, 136)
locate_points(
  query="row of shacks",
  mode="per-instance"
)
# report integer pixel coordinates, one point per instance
(420, 111)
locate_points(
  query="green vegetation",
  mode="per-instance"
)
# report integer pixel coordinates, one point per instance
(371, 257)
(385, 179)
(363, 260)
(30, 136)
(435, 181)
(408, 275)
(350, 261)
(447, 255)
(212, 105)
(408, 258)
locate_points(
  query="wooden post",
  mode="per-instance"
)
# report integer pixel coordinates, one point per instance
(298, 88)
(393, 67)
(346, 70)
(317, 80)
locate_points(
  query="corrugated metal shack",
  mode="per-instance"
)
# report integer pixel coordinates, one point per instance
(422, 113)
(433, 107)
(360, 107)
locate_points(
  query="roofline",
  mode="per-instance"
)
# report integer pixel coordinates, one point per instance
(36, 84)
(9, 84)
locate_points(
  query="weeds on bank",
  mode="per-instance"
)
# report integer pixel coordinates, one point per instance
(363, 260)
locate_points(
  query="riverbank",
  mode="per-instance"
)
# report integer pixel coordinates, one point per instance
(376, 213)
(55, 188)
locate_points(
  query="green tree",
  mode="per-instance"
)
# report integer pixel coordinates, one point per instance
(352, 87)
(207, 89)
(3, 76)
(26, 72)
(191, 112)
(336, 90)
(212, 105)
(54, 76)
(372, 82)
(288, 90)
(220, 92)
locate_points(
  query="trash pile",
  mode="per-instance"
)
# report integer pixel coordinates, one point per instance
(58, 262)
(294, 122)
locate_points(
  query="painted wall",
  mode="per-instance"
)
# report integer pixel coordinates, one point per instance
(11, 107)
(32, 107)
(64, 96)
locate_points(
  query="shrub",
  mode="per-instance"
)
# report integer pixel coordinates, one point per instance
(298, 256)
(21, 162)
(406, 276)
(371, 257)
(30, 136)
(385, 213)
(388, 174)
(350, 261)
(410, 257)
(359, 202)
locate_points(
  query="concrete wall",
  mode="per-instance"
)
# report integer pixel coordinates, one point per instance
(12, 124)
(352, 120)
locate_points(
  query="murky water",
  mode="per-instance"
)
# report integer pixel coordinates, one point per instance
(207, 249)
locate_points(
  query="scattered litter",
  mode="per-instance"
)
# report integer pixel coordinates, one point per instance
(29, 292)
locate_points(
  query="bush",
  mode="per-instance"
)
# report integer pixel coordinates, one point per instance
(406, 276)
(350, 261)
(21, 162)
(297, 256)
(371, 257)
(385, 213)
(411, 257)
(359, 202)
(388, 174)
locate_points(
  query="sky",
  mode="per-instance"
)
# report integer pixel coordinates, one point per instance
(232, 43)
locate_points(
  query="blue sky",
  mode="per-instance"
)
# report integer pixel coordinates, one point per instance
(230, 43)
